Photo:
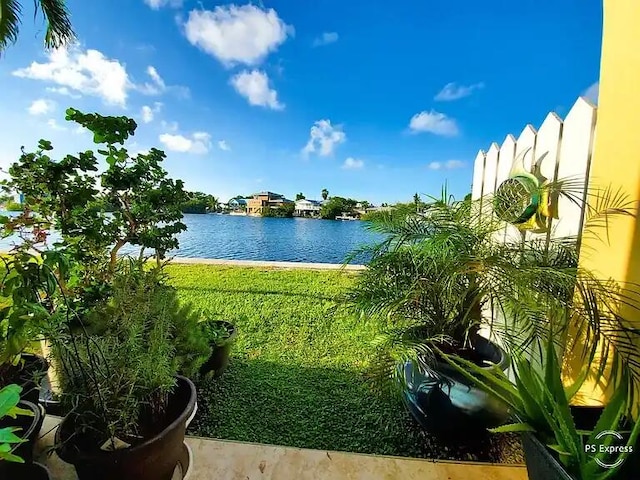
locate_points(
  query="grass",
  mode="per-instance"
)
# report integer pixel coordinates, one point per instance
(297, 374)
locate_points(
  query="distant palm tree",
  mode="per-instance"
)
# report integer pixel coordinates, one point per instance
(213, 203)
(325, 193)
(59, 28)
(416, 200)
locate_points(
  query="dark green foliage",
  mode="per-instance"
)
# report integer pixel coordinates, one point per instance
(336, 206)
(300, 196)
(198, 202)
(398, 211)
(117, 373)
(27, 288)
(70, 196)
(540, 404)
(436, 271)
(191, 343)
(284, 211)
(215, 332)
(57, 19)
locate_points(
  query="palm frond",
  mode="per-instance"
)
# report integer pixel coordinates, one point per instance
(59, 29)
(10, 11)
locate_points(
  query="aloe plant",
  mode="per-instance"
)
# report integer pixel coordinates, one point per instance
(9, 398)
(539, 403)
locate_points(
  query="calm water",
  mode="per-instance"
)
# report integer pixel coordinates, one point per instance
(277, 239)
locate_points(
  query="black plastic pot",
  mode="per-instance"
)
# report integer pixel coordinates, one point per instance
(220, 352)
(29, 430)
(154, 459)
(29, 376)
(23, 471)
(541, 464)
(446, 403)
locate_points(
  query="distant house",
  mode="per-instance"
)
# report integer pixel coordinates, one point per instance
(260, 201)
(236, 204)
(307, 208)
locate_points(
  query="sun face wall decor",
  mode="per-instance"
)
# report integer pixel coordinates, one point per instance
(524, 199)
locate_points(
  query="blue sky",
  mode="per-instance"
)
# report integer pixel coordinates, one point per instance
(371, 100)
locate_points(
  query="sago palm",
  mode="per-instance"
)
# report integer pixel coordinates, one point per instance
(58, 23)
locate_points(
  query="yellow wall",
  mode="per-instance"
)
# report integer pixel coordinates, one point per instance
(616, 158)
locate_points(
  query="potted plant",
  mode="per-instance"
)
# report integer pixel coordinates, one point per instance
(25, 286)
(20, 423)
(555, 448)
(436, 279)
(220, 335)
(420, 284)
(129, 408)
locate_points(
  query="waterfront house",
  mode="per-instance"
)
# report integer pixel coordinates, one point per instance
(260, 201)
(307, 208)
(237, 204)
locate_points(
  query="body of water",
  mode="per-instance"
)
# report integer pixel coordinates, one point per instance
(275, 239)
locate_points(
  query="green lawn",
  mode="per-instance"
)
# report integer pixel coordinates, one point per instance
(296, 376)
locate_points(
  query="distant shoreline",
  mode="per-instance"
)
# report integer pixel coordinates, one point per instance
(267, 263)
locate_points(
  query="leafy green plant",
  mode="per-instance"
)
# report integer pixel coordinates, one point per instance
(27, 288)
(191, 343)
(116, 375)
(436, 274)
(9, 398)
(215, 332)
(59, 31)
(539, 403)
(70, 196)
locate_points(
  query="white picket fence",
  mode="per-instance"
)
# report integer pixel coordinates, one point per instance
(568, 145)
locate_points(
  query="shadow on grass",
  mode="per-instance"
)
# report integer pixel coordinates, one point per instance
(253, 291)
(324, 408)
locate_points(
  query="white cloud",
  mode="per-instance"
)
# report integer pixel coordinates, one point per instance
(254, 86)
(236, 34)
(87, 72)
(353, 164)
(452, 91)
(592, 93)
(156, 86)
(199, 143)
(62, 91)
(158, 4)
(323, 138)
(41, 107)
(148, 113)
(325, 39)
(448, 165)
(434, 122)
(223, 145)
(77, 72)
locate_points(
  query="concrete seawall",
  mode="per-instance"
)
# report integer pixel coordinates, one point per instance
(261, 263)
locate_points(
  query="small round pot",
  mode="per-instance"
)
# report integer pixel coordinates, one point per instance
(29, 376)
(155, 459)
(219, 359)
(29, 430)
(446, 403)
(24, 471)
